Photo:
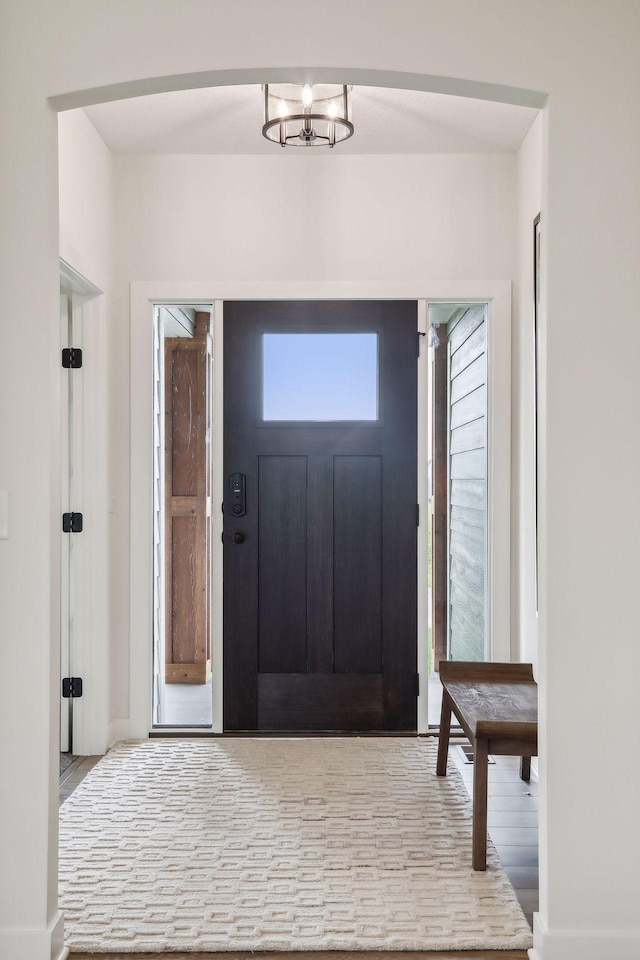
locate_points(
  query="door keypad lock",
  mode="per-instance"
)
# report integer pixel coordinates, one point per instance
(238, 494)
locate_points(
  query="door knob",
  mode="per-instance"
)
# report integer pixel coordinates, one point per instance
(238, 536)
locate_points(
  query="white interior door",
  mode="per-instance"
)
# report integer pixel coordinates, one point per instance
(73, 544)
(66, 323)
(84, 604)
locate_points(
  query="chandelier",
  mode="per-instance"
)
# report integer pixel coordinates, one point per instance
(307, 116)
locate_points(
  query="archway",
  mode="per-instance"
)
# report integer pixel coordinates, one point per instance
(191, 80)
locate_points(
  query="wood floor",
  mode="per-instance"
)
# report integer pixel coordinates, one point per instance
(512, 817)
(74, 774)
(513, 827)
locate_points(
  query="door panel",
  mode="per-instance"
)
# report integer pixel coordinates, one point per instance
(357, 638)
(320, 574)
(282, 554)
(305, 701)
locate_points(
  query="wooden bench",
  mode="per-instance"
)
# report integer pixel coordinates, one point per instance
(497, 707)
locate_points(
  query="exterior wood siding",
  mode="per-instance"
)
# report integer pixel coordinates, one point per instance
(467, 431)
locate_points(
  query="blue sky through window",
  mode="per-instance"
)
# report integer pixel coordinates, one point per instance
(320, 376)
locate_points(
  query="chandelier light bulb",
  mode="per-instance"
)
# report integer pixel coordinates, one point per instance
(333, 110)
(307, 97)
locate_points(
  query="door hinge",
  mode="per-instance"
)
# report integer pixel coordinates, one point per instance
(72, 358)
(417, 684)
(72, 687)
(418, 337)
(417, 514)
(72, 523)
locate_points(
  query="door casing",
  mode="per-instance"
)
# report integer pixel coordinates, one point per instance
(145, 295)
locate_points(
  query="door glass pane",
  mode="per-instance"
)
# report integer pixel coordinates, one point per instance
(182, 684)
(457, 450)
(467, 390)
(320, 376)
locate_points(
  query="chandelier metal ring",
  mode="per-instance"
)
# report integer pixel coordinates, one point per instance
(304, 116)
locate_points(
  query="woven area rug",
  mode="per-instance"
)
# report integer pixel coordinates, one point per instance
(278, 844)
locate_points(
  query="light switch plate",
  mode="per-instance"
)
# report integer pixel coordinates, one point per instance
(4, 514)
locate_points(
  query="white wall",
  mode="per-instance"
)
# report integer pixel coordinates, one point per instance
(523, 603)
(86, 190)
(299, 217)
(71, 52)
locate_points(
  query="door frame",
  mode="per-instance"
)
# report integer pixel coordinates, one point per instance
(363, 678)
(146, 295)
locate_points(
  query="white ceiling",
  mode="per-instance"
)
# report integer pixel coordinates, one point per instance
(229, 120)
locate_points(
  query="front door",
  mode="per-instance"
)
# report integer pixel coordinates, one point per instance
(320, 515)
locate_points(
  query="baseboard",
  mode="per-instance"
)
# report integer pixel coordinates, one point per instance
(118, 730)
(35, 944)
(582, 946)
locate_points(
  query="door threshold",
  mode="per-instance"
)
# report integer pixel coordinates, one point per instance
(163, 733)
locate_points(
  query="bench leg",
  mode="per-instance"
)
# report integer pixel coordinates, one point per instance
(480, 776)
(443, 739)
(525, 768)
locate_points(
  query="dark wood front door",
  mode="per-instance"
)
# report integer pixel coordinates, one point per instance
(320, 518)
